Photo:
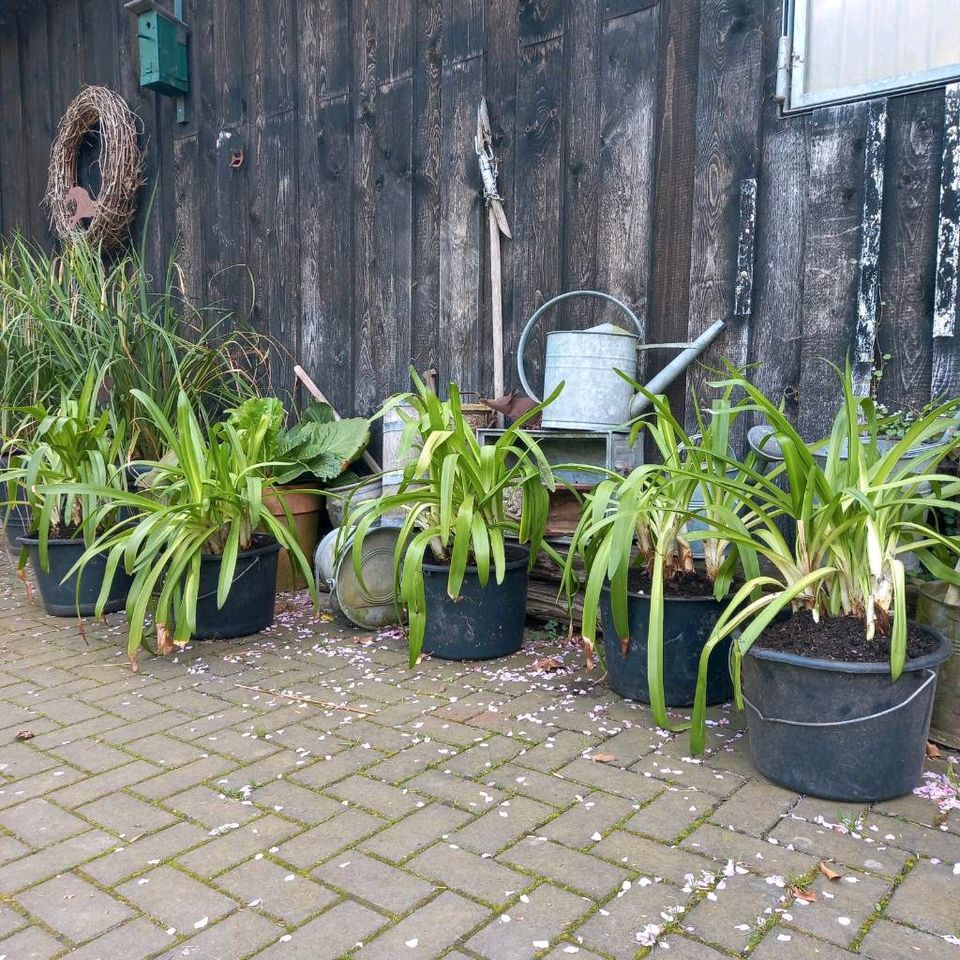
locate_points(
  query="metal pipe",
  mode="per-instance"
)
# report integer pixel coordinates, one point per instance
(675, 367)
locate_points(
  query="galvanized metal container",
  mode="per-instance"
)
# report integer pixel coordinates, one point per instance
(372, 602)
(594, 396)
(337, 497)
(393, 459)
(325, 560)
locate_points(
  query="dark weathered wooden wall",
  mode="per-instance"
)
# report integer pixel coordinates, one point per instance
(642, 154)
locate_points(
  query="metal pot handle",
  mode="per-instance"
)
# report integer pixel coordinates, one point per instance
(522, 345)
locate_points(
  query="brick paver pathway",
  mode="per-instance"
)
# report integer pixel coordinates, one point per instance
(498, 811)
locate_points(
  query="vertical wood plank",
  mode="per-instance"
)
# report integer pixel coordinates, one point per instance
(203, 110)
(679, 65)
(98, 63)
(908, 248)
(12, 145)
(385, 89)
(540, 20)
(426, 155)
(537, 217)
(834, 215)
(500, 85)
(281, 281)
(392, 266)
(729, 97)
(583, 60)
(364, 206)
(65, 54)
(146, 230)
(231, 284)
(39, 125)
(461, 211)
(461, 234)
(189, 218)
(868, 287)
(781, 223)
(326, 198)
(627, 134)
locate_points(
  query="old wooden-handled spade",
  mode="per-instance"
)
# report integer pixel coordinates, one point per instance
(497, 223)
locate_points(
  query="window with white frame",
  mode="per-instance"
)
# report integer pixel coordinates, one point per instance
(835, 50)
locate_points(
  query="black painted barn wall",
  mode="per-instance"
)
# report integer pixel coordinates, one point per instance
(639, 140)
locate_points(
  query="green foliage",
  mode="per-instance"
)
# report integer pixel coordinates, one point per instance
(452, 497)
(61, 316)
(317, 446)
(859, 504)
(645, 519)
(73, 446)
(205, 497)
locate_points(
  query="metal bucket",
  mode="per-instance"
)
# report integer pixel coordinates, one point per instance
(324, 560)
(367, 489)
(370, 604)
(594, 396)
(392, 459)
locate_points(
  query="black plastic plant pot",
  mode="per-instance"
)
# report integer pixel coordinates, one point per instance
(837, 730)
(486, 622)
(249, 606)
(687, 625)
(63, 599)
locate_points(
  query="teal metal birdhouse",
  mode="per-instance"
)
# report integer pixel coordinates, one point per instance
(162, 40)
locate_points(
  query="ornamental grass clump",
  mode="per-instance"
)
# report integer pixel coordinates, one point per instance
(859, 507)
(66, 314)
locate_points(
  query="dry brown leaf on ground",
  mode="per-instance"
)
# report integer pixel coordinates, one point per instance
(933, 751)
(25, 735)
(548, 664)
(798, 893)
(829, 873)
(602, 757)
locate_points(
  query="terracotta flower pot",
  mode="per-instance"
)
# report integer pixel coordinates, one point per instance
(304, 504)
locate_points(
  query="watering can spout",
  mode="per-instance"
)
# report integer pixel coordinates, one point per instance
(675, 367)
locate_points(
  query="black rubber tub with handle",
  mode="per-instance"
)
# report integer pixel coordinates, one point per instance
(485, 622)
(838, 730)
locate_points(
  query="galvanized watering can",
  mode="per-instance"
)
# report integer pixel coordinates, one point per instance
(594, 397)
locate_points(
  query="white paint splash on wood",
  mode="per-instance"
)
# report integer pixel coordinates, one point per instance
(948, 238)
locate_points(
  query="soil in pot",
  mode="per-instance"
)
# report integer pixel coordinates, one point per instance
(64, 599)
(840, 729)
(485, 622)
(689, 615)
(249, 606)
(840, 638)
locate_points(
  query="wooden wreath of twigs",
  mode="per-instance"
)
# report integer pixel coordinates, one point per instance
(121, 169)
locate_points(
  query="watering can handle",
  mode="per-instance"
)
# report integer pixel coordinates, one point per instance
(522, 345)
